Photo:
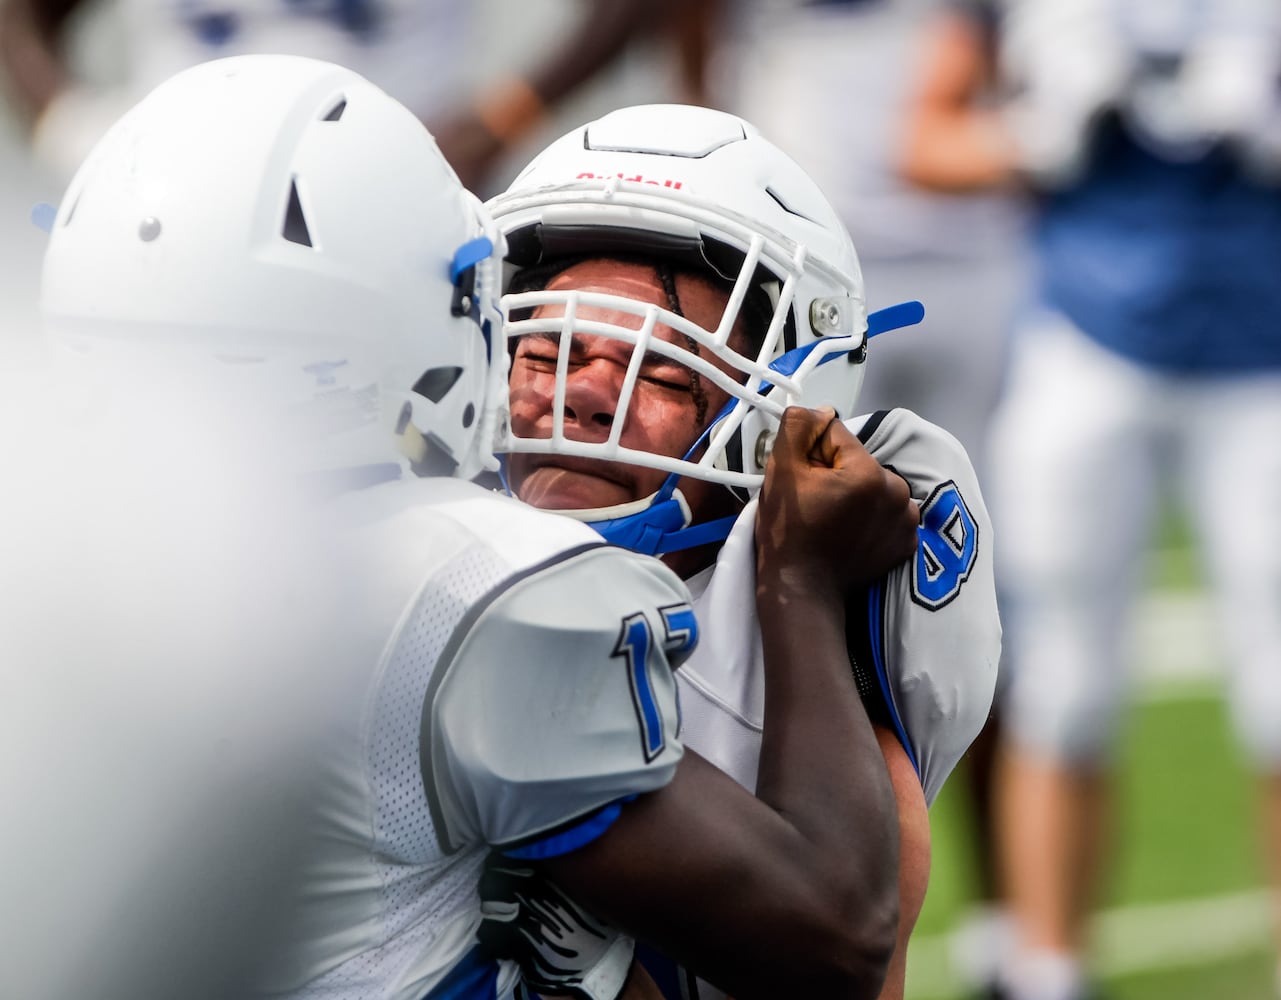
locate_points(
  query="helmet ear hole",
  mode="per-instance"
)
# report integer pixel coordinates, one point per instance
(436, 382)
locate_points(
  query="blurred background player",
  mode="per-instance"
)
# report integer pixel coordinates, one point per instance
(1148, 362)
(303, 289)
(675, 279)
(423, 52)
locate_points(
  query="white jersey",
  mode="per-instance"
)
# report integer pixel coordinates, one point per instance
(513, 683)
(927, 650)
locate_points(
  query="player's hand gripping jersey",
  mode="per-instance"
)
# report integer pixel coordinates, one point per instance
(925, 641)
(514, 683)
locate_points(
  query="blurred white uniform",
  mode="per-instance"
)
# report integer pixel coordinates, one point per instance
(168, 656)
(1150, 363)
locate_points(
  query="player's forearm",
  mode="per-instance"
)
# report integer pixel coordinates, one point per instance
(958, 152)
(952, 139)
(820, 765)
(914, 855)
(603, 31)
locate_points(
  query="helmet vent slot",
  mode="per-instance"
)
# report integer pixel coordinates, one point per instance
(436, 382)
(72, 210)
(785, 206)
(335, 113)
(295, 230)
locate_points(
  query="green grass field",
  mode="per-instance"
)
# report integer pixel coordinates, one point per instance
(1185, 915)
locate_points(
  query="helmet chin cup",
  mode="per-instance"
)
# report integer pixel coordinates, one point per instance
(661, 526)
(592, 515)
(641, 525)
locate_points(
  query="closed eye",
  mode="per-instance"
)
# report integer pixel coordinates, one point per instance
(540, 349)
(680, 383)
(660, 370)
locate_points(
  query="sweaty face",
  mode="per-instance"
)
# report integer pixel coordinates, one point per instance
(670, 406)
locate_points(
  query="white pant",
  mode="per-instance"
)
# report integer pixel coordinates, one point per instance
(1082, 443)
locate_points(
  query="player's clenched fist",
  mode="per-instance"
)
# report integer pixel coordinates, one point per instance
(831, 517)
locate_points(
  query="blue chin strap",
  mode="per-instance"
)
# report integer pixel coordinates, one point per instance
(881, 321)
(662, 526)
(894, 318)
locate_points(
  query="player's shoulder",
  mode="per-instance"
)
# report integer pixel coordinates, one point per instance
(421, 516)
(427, 536)
(913, 446)
(899, 424)
(573, 655)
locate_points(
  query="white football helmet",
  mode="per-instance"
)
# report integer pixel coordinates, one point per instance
(704, 190)
(286, 224)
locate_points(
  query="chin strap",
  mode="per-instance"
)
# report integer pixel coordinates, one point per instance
(661, 524)
(661, 527)
(651, 526)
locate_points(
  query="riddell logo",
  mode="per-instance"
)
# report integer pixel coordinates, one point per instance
(587, 175)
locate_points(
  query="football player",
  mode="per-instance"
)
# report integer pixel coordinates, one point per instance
(1147, 356)
(674, 281)
(287, 231)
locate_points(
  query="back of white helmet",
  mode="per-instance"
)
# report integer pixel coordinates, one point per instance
(281, 225)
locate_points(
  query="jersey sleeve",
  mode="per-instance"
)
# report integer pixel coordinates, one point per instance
(931, 639)
(556, 702)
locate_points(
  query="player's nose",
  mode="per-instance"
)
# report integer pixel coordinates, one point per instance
(591, 395)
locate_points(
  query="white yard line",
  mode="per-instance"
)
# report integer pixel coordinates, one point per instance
(1127, 939)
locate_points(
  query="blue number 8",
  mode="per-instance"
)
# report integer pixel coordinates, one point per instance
(947, 547)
